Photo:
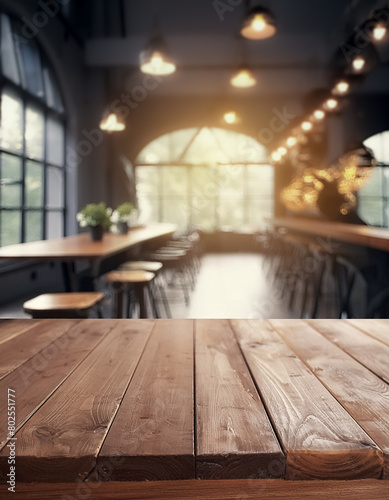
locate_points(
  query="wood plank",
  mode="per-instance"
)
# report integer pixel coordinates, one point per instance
(10, 328)
(152, 437)
(366, 398)
(40, 376)
(321, 440)
(235, 439)
(19, 349)
(368, 351)
(60, 442)
(255, 489)
(377, 328)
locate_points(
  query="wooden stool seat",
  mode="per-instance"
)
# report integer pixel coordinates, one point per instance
(129, 276)
(61, 305)
(143, 265)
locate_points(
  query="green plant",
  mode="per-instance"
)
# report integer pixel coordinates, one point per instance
(123, 212)
(95, 214)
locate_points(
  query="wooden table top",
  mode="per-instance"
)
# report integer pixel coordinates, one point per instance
(174, 400)
(81, 246)
(368, 236)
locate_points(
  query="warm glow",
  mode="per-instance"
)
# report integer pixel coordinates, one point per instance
(282, 151)
(291, 141)
(379, 32)
(332, 103)
(157, 65)
(319, 114)
(359, 63)
(341, 87)
(258, 26)
(243, 79)
(258, 23)
(307, 126)
(231, 117)
(276, 156)
(111, 124)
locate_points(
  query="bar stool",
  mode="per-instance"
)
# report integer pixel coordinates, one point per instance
(64, 305)
(152, 267)
(136, 284)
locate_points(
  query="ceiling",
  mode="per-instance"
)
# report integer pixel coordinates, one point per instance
(204, 43)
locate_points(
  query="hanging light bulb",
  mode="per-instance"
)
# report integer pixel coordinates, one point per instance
(331, 104)
(111, 124)
(244, 78)
(154, 59)
(259, 24)
(291, 141)
(341, 88)
(231, 117)
(359, 63)
(276, 156)
(282, 151)
(379, 32)
(319, 114)
(306, 126)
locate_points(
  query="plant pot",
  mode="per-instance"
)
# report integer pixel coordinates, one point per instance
(122, 227)
(96, 233)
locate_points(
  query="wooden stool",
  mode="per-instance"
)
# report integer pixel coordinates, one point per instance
(63, 305)
(139, 281)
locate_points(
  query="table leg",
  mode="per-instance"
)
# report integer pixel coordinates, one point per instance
(118, 300)
(69, 276)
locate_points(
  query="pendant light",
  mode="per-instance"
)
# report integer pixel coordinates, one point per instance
(111, 123)
(155, 59)
(259, 23)
(244, 77)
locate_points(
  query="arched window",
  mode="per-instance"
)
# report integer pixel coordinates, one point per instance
(205, 177)
(373, 197)
(32, 141)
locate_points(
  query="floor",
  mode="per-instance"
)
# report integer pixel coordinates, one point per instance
(228, 286)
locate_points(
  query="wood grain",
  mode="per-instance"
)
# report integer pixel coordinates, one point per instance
(36, 379)
(20, 348)
(14, 327)
(60, 442)
(59, 301)
(152, 437)
(377, 328)
(368, 351)
(319, 437)
(254, 489)
(234, 436)
(364, 395)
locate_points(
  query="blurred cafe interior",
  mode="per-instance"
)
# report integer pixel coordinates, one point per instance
(204, 159)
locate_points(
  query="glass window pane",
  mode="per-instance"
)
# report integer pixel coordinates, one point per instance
(231, 181)
(11, 195)
(370, 210)
(55, 141)
(11, 168)
(34, 133)
(231, 213)
(8, 53)
(175, 181)
(11, 121)
(33, 226)
(176, 212)
(374, 184)
(10, 227)
(53, 96)
(32, 67)
(257, 210)
(54, 187)
(260, 181)
(147, 181)
(34, 184)
(54, 225)
(148, 209)
(203, 213)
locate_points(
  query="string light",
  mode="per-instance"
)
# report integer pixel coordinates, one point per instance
(379, 32)
(307, 126)
(359, 63)
(331, 104)
(291, 141)
(341, 88)
(319, 114)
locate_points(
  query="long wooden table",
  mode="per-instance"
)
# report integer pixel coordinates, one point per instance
(367, 236)
(80, 247)
(201, 409)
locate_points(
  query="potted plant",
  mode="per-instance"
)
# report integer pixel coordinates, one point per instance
(122, 216)
(97, 217)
